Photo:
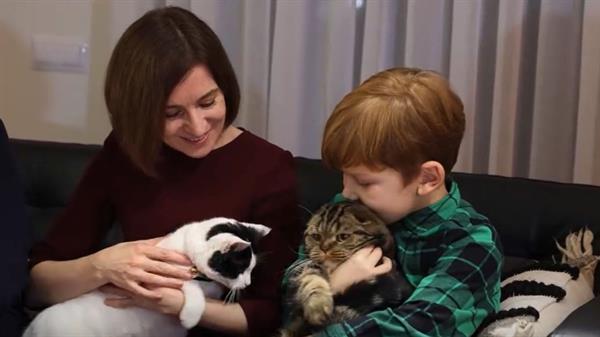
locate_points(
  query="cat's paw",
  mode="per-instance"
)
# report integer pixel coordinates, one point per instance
(316, 299)
(284, 333)
(193, 306)
(318, 309)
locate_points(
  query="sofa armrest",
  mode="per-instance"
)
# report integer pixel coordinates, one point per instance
(583, 322)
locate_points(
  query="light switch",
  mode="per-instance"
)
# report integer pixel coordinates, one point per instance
(60, 53)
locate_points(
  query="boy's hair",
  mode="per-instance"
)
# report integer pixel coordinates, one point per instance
(398, 118)
(150, 59)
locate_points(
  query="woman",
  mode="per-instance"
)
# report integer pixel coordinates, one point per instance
(173, 157)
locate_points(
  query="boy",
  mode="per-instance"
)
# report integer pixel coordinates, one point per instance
(395, 138)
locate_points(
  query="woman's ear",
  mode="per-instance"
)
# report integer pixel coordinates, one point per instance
(432, 176)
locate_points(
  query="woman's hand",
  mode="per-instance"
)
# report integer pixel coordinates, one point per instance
(128, 265)
(361, 266)
(170, 302)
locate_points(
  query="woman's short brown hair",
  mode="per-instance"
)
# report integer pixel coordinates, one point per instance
(398, 118)
(150, 59)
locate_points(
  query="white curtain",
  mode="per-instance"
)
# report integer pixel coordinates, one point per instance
(527, 71)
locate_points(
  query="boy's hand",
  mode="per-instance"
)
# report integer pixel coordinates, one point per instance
(361, 266)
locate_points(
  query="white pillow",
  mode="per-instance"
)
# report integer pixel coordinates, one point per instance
(536, 300)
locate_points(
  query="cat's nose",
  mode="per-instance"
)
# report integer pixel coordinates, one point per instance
(326, 246)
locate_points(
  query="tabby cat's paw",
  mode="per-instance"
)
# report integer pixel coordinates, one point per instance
(317, 300)
(284, 333)
(318, 310)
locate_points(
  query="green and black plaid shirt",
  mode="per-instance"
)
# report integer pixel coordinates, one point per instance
(450, 254)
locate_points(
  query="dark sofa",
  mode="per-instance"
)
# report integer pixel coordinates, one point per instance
(528, 214)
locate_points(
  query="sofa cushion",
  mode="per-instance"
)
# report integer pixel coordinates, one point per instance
(583, 322)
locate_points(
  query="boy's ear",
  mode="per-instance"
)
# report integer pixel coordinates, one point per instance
(431, 177)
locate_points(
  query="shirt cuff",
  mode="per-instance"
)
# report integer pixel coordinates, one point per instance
(335, 330)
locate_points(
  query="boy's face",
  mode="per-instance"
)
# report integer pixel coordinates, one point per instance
(385, 192)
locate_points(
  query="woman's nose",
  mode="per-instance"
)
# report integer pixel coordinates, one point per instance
(196, 123)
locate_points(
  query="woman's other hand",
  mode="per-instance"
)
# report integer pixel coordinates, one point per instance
(170, 302)
(139, 266)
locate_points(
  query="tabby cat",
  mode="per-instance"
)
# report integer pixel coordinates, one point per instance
(332, 235)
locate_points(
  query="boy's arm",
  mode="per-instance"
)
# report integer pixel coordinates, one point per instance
(460, 291)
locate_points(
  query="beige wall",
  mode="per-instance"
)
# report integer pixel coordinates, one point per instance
(51, 105)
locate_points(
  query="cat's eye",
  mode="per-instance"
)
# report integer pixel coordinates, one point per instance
(316, 236)
(342, 237)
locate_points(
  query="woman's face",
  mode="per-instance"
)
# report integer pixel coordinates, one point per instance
(195, 114)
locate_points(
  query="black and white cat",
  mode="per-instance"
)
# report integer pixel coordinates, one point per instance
(221, 248)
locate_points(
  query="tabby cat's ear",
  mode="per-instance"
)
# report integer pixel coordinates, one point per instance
(260, 229)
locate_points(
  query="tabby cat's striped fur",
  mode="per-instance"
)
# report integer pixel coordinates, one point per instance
(332, 235)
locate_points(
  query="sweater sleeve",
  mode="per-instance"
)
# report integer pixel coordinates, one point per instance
(462, 288)
(274, 206)
(81, 225)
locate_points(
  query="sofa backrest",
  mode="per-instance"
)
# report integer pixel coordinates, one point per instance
(50, 172)
(531, 214)
(528, 214)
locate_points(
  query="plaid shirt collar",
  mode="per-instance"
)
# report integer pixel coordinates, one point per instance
(423, 220)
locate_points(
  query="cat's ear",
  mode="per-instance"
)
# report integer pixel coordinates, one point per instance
(260, 229)
(233, 243)
(238, 246)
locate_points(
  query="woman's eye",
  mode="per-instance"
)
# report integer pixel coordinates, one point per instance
(342, 237)
(172, 113)
(206, 105)
(316, 237)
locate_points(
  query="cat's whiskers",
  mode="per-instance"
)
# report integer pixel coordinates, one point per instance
(297, 267)
(298, 264)
(232, 296)
(227, 297)
(306, 209)
(296, 252)
(338, 255)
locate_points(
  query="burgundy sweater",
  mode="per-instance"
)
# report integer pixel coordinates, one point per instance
(248, 179)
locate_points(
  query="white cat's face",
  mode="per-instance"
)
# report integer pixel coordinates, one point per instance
(222, 249)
